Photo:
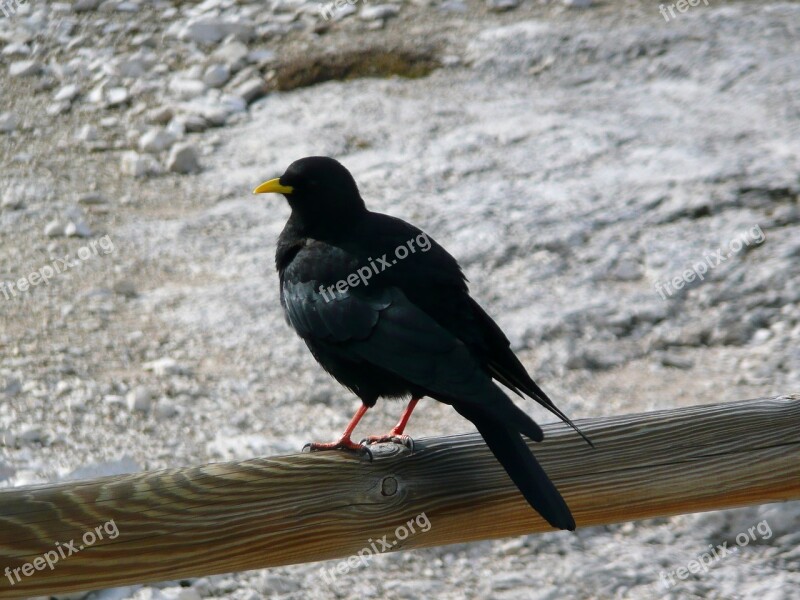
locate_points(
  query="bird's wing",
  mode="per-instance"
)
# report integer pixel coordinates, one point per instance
(382, 327)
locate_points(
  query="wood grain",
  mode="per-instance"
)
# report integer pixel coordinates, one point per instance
(224, 517)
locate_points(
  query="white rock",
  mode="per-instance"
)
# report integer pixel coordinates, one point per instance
(117, 96)
(132, 67)
(87, 133)
(338, 13)
(160, 115)
(97, 94)
(16, 49)
(129, 7)
(186, 89)
(125, 287)
(24, 68)
(211, 30)
(85, 5)
(58, 108)
(183, 159)
(165, 366)
(67, 93)
(156, 140)
(32, 433)
(261, 55)
(216, 75)
(114, 399)
(251, 90)
(139, 399)
(63, 388)
(13, 198)
(379, 12)
(8, 122)
(165, 408)
(232, 53)
(91, 199)
(577, 3)
(502, 5)
(77, 229)
(138, 165)
(54, 228)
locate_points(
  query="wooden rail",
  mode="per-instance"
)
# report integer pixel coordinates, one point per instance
(224, 517)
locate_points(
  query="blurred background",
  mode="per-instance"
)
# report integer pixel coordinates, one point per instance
(618, 179)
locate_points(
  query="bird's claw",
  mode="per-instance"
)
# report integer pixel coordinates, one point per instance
(402, 439)
(345, 445)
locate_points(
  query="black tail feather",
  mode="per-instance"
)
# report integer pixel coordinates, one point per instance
(529, 387)
(508, 447)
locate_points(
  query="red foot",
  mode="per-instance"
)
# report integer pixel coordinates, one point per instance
(396, 435)
(344, 443)
(393, 436)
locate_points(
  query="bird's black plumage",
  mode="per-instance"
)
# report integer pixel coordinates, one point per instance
(411, 328)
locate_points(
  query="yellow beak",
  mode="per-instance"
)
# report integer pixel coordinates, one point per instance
(273, 186)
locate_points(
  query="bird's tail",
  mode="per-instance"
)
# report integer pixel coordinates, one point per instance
(508, 447)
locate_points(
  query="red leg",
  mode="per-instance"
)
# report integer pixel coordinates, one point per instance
(344, 442)
(396, 434)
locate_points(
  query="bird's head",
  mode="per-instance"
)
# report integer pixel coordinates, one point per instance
(320, 191)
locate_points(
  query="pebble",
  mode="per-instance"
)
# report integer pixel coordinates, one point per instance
(156, 140)
(232, 53)
(85, 5)
(117, 96)
(502, 5)
(91, 199)
(77, 229)
(58, 108)
(138, 165)
(216, 75)
(166, 366)
(183, 159)
(24, 68)
(13, 198)
(139, 399)
(161, 115)
(577, 3)
(165, 408)
(251, 90)
(8, 122)
(32, 434)
(87, 133)
(16, 49)
(186, 89)
(54, 229)
(67, 93)
(211, 30)
(126, 288)
(379, 12)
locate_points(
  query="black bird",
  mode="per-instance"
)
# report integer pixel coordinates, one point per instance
(386, 311)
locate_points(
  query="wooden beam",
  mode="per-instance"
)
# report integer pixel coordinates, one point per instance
(224, 517)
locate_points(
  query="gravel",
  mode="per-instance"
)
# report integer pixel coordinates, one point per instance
(581, 164)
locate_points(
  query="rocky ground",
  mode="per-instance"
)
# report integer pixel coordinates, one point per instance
(586, 163)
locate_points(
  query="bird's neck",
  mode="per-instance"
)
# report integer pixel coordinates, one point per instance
(299, 231)
(325, 228)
